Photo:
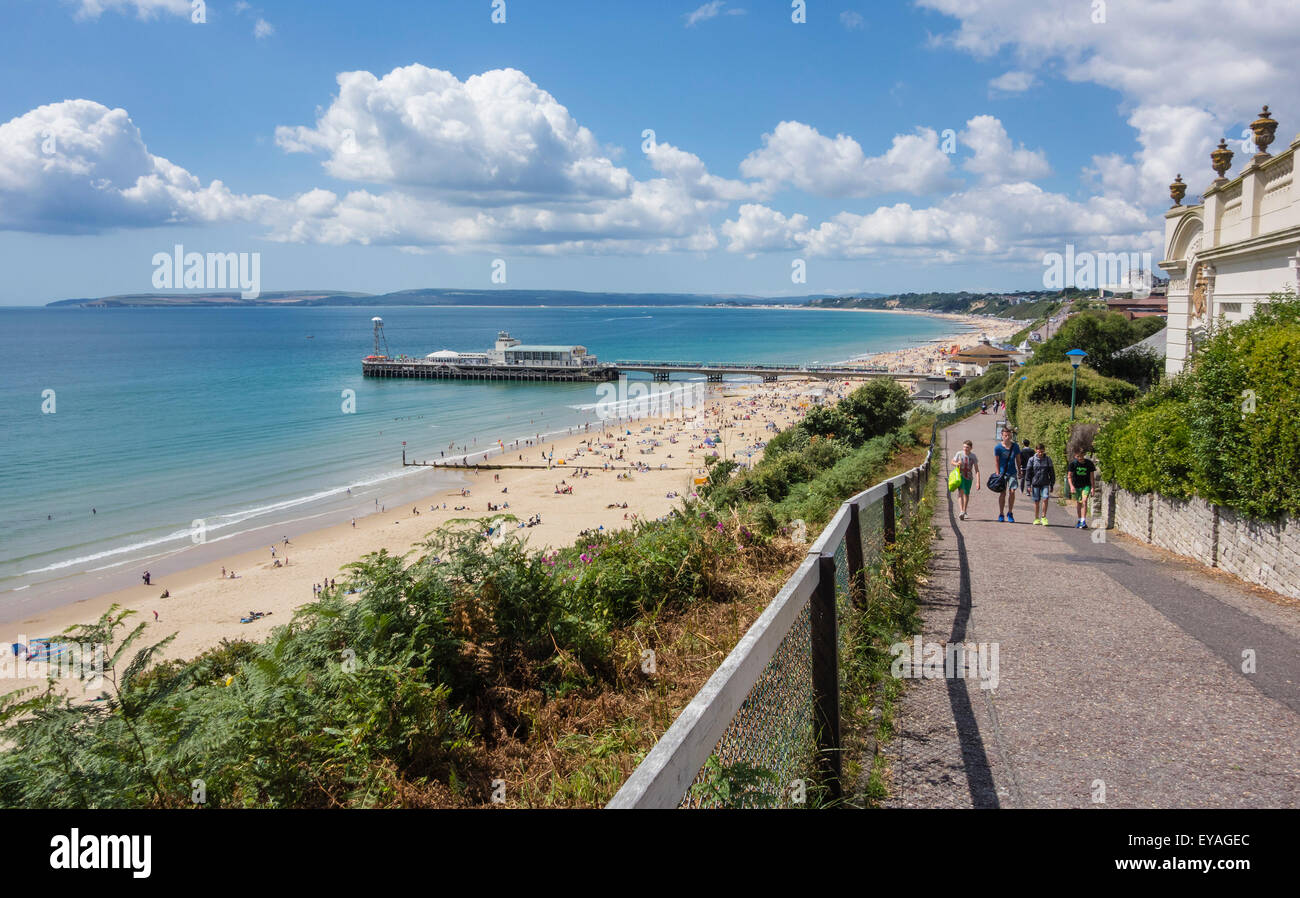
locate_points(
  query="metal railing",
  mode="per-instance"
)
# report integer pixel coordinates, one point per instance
(772, 706)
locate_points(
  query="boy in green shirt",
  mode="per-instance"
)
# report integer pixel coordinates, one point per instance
(1080, 475)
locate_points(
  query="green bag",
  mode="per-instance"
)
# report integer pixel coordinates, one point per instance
(954, 479)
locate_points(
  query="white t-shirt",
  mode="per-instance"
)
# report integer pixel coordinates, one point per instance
(967, 462)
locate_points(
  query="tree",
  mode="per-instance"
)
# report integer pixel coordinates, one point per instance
(1104, 336)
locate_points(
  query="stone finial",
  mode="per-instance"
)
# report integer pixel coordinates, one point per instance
(1221, 159)
(1178, 190)
(1264, 128)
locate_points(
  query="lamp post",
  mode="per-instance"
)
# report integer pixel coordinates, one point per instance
(1076, 357)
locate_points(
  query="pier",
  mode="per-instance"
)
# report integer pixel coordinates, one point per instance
(714, 372)
(433, 369)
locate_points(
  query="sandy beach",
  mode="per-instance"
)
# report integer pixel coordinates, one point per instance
(931, 357)
(605, 478)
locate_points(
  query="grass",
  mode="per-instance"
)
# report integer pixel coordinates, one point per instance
(888, 615)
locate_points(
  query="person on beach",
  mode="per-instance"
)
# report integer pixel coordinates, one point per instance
(1041, 477)
(1007, 456)
(1079, 477)
(969, 466)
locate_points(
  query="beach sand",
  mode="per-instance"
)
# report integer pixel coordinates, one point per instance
(931, 357)
(204, 607)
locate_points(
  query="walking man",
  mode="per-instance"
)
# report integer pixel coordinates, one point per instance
(1079, 475)
(1007, 456)
(969, 466)
(1041, 477)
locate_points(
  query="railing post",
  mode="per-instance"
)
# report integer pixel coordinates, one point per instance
(891, 529)
(853, 550)
(826, 676)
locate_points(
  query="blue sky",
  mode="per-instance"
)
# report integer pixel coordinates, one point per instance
(458, 140)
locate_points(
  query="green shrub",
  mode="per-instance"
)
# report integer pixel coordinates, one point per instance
(1228, 428)
(1104, 336)
(1245, 409)
(1049, 424)
(1149, 451)
(871, 410)
(1052, 383)
(993, 380)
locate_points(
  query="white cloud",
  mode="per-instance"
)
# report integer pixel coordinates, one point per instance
(495, 137)
(262, 28)
(758, 228)
(797, 154)
(144, 9)
(995, 159)
(852, 20)
(1013, 82)
(710, 10)
(493, 161)
(1003, 222)
(1228, 58)
(690, 171)
(1172, 140)
(80, 167)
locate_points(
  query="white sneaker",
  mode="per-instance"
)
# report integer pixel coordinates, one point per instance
(962, 516)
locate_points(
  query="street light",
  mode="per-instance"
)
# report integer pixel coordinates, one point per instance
(1076, 357)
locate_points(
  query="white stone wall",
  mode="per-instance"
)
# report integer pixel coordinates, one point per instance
(1131, 513)
(1256, 551)
(1261, 552)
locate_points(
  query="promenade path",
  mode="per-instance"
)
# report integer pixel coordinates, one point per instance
(1117, 665)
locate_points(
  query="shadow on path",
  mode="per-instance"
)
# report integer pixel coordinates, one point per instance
(979, 775)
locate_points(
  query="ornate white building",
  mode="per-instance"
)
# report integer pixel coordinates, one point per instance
(1242, 243)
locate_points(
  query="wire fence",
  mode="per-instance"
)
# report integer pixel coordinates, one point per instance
(768, 719)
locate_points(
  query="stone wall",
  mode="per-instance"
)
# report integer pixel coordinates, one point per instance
(1256, 551)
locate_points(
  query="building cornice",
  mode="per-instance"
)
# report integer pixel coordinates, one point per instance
(1284, 238)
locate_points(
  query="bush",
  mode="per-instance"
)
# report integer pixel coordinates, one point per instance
(1103, 335)
(1049, 424)
(817, 499)
(1227, 429)
(1245, 411)
(1149, 451)
(871, 410)
(1052, 383)
(993, 380)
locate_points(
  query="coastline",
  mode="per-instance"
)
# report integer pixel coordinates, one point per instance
(203, 607)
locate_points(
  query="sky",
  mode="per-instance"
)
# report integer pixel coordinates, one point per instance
(764, 148)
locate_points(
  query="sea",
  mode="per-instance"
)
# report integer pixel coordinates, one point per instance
(161, 438)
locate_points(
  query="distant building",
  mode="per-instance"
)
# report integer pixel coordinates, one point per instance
(1131, 308)
(1242, 243)
(509, 351)
(977, 359)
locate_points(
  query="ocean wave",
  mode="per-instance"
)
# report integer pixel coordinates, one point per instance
(217, 523)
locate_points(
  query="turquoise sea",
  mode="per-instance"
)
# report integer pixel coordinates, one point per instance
(234, 417)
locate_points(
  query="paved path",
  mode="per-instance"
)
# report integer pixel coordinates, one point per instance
(1116, 666)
